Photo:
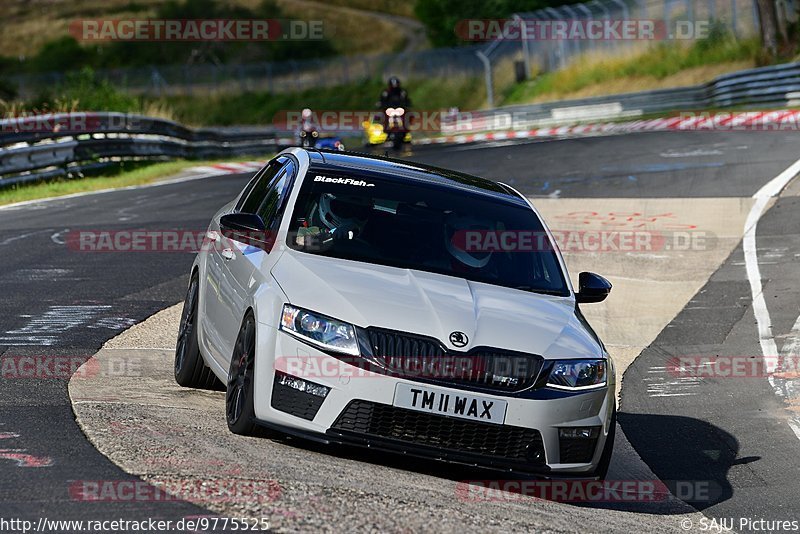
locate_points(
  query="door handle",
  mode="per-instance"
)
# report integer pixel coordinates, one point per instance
(227, 253)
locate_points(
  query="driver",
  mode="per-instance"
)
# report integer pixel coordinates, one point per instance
(335, 217)
(307, 120)
(464, 255)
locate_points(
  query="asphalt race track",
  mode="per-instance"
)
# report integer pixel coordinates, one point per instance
(62, 305)
(734, 435)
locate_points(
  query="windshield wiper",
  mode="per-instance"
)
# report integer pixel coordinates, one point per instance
(542, 291)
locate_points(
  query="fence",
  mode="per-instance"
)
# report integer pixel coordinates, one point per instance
(275, 77)
(51, 146)
(676, 20)
(774, 86)
(494, 60)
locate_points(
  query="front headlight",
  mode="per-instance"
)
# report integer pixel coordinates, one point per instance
(577, 374)
(319, 330)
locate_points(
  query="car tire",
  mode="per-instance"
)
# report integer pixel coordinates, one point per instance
(191, 370)
(601, 471)
(239, 408)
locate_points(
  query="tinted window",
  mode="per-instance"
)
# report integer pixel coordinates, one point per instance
(275, 198)
(427, 227)
(258, 187)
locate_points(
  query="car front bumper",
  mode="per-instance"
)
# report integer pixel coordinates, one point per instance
(358, 409)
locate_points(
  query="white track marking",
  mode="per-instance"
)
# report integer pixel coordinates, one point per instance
(56, 237)
(763, 196)
(45, 329)
(769, 348)
(23, 236)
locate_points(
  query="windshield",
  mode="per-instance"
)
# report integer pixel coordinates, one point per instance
(425, 227)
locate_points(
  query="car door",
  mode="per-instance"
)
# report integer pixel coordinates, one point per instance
(226, 278)
(237, 260)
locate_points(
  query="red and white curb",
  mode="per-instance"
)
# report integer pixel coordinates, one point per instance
(229, 168)
(779, 120)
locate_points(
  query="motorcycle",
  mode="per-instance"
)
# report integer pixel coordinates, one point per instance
(395, 126)
(308, 137)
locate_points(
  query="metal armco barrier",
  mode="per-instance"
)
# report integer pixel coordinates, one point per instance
(774, 86)
(50, 146)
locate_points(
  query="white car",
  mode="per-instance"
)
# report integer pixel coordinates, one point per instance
(343, 298)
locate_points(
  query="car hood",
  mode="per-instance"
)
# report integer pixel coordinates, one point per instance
(435, 305)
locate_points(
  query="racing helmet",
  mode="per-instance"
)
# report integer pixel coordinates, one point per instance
(394, 82)
(343, 211)
(456, 228)
(306, 114)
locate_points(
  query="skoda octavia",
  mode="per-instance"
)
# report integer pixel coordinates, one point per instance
(365, 301)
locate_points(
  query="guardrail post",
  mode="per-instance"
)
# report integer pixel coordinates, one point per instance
(574, 46)
(589, 17)
(526, 49)
(487, 68)
(734, 22)
(666, 16)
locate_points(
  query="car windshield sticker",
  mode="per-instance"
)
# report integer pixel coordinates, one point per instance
(342, 181)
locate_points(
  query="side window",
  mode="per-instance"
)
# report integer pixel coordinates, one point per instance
(274, 202)
(257, 188)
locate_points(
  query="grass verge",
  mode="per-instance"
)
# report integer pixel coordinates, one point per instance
(262, 107)
(129, 175)
(664, 65)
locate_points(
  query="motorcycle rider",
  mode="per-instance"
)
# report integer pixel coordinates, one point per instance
(394, 96)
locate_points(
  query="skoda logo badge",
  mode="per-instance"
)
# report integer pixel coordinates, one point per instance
(459, 339)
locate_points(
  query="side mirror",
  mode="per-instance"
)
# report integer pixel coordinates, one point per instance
(246, 228)
(592, 288)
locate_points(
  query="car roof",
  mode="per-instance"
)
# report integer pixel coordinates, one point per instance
(401, 170)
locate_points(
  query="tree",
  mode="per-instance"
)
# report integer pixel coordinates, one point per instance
(773, 27)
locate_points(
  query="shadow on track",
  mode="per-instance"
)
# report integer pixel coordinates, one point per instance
(691, 470)
(695, 466)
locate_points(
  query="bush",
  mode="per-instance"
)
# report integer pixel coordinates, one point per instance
(83, 91)
(440, 17)
(65, 53)
(7, 90)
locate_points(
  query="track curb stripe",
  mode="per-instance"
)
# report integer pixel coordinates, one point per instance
(746, 120)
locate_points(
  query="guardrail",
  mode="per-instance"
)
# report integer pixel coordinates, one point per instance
(61, 145)
(49, 146)
(773, 86)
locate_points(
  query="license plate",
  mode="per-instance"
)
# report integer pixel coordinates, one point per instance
(441, 402)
